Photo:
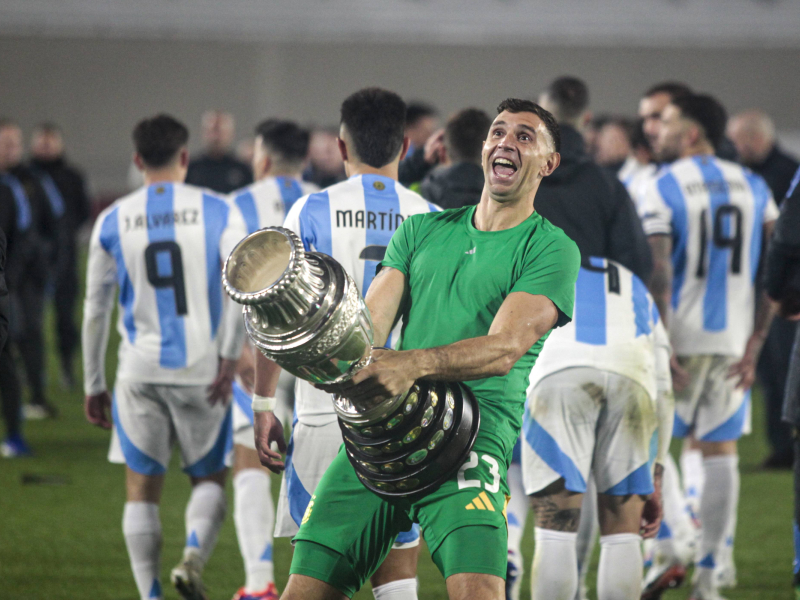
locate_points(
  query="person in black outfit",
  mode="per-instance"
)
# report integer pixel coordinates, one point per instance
(15, 226)
(753, 134)
(585, 200)
(217, 168)
(29, 292)
(459, 180)
(4, 303)
(64, 184)
(782, 282)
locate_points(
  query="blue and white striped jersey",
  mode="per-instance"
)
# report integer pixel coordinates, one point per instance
(163, 246)
(715, 211)
(267, 202)
(615, 327)
(352, 221)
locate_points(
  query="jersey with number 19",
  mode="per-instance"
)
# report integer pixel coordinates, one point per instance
(164, 246)
(715, 211)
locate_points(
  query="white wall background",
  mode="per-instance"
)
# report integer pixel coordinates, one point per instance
(97, 66)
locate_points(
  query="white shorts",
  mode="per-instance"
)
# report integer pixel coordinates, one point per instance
(711, 407)
(150, 418)
(311, 451)
(583, 420)
(243, 434)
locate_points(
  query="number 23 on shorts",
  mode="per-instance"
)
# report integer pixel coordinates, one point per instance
(479, 469)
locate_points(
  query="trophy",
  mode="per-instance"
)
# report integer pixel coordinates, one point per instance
(303, 311)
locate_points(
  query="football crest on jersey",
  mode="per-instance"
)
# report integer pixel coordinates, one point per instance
(379, 185)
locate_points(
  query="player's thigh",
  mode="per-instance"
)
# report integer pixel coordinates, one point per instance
(626, 439)
(204, 431)
(245, 458)
(310, 452)
(473, 552)
(688, 399)
(346, 524)
(399, 564)
(143, 435)
(475, 586)
(301, 587)
(558, 429)
(723, 409)
(557, 508)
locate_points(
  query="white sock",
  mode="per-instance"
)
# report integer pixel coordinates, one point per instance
(693, 477)
(554, 574)
(675, 539)
(141, 527)
(588, 528)
(517, 513)
(619, 576)
(254, 516)
(719, 494)
(402, 589)
(204, 515)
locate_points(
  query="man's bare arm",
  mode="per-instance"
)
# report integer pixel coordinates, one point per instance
(661, 279)
(521, 321)
(267, 427)
(384, 298)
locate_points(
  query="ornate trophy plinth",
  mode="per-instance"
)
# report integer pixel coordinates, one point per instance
(304, 312)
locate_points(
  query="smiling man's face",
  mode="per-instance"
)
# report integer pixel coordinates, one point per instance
(517, 153)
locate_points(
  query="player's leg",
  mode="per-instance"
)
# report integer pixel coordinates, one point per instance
(396, 578)
(516, 514)
(720, 420)
(588, 530)
(558, 444)
(11, 395)
(65, 294)
(344, 536)
(31, 346)
(141, 440)
(475, 586)
(204, 434)
(692, 474)
(622, 470)
(254, 512)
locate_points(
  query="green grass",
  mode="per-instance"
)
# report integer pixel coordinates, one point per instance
(65, 541)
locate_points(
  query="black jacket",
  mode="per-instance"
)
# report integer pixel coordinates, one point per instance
(4, 304)
(455, 186)
(777, 170)
(72, 186)
(593, 208)
(222, 174)
(782, 273)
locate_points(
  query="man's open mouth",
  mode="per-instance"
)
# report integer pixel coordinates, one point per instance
(503, 167)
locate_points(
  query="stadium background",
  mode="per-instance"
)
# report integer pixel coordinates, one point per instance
(96, 67)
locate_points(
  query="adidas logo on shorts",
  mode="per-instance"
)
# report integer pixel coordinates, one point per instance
(481, 502)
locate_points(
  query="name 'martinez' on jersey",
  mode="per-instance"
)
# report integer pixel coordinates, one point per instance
(715, 211)
(164, 246)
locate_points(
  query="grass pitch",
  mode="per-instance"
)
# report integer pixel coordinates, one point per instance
(61, 515)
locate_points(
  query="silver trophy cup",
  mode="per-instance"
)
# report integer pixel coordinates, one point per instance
(304, 312)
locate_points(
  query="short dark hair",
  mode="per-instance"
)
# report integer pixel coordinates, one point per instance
(158, 139)
(570, 95)
(418, 110)
(7, 122)
(517, 105)
(47, 127)
(285, 138)
(707, 112)
(375, 119)
(673, 89)
(638, 138)
(465, 133)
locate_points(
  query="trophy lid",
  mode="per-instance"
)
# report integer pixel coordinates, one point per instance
(262, 265)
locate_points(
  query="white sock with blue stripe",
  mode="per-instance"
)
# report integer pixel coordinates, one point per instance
(554, 574)
(720, 496)
(693, 477)
(141, 527)
(401, 589)
(254, 516)
(204, 516)
(619, 575)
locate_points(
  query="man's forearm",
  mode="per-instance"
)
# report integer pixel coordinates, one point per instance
(765, 312)
(661, 279)
(94, 341)
(474, 358)
(267, 374)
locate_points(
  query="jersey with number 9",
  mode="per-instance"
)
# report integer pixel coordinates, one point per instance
(715, 211)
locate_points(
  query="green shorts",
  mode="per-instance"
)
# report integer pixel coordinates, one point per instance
(463, 522)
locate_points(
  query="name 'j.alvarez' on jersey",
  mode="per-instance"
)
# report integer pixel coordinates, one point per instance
(715, 212)
(163, 246)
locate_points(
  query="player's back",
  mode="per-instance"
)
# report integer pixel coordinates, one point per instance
(715, 211)
(352, 221)
(612, 329)
(168, 241)
(266, 202)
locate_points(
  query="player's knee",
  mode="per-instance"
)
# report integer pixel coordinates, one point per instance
(399, 564)
(475, 586)
(718, 448)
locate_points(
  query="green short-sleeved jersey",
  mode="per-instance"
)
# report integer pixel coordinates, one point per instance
(458, 276)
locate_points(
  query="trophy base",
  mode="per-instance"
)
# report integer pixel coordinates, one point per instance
(419, 445)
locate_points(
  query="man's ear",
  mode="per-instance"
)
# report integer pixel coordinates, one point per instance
(550, 165)
(342, 149)
(404, 150)
(184, 158)
(137, 160)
